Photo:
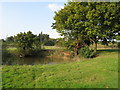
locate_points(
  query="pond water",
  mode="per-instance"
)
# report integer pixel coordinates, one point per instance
(42, 57)
(35, 60)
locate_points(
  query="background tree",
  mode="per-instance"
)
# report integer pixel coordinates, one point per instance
(46, 40)
(37, 43)
(10, 39)
(43, 38)
(50, 42)
(2, 40)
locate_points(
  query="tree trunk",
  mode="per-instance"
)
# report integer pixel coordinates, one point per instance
(94, 42)
(76, 48)
(95, 46)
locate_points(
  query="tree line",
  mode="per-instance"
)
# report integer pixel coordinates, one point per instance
(28, 43)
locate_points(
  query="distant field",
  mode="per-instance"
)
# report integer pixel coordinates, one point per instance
(58, 48)
(43, 47)
(100, 72)
(52, 47)
(110, 46)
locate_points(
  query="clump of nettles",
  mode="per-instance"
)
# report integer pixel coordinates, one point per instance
(87, 52)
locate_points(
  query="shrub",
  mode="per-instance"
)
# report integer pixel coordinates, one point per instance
(87, 52)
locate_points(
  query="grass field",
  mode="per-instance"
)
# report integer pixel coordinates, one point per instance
(100, 72)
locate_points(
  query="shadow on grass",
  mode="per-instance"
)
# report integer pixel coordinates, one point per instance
(109, 50)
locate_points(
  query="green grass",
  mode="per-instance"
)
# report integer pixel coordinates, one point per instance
(43, 47)
(100, 72)
(110, 46)
(52, 47)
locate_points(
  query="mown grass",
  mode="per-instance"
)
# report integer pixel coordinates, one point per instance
(100, 72)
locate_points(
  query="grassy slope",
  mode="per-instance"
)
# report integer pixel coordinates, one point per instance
(100, 72)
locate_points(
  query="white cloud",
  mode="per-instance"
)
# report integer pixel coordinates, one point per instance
(54, 7)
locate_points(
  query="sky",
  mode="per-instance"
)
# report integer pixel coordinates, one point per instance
(16, 17)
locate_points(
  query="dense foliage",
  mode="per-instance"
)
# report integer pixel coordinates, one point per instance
(88, 21)
(24, 42)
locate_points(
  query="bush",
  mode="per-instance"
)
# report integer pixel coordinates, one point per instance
(87, 52)
(49, 43)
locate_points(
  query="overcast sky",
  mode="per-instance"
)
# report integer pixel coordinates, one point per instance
(37, 17)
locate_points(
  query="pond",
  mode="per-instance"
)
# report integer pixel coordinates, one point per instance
(34, 60)
(42, 57)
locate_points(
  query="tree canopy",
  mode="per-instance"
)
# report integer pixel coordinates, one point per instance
(28, 43)
(24, 42)
(88, 22)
